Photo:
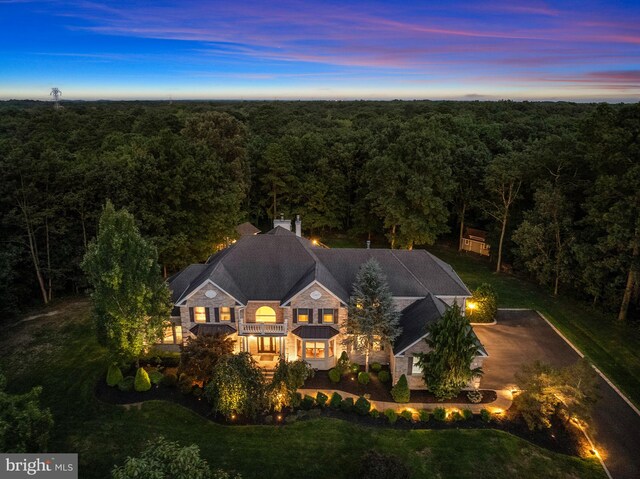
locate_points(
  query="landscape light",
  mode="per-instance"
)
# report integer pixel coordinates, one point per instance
(472, 305)
(314, 241)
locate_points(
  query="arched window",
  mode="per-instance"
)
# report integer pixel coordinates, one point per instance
(265, 314)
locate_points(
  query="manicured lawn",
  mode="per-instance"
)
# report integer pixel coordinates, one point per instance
(60, 353)
(613, 347)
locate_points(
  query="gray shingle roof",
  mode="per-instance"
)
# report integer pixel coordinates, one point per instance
(415, 320)
(246, 229)
(212, 329)
(277, 265)
(315, 332)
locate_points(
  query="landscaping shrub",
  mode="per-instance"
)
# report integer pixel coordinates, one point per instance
(355, 368)
(374, 413)
(170, 380)
(486, 304)
(391, 415)
(155, 376)
(423, 415)
(346, 405)
(439, 414)
(456, 416)
(307, 402)
(400, 391)
(474, 396)
(185, 384)
(376, 367)
(142, 382)
(288, 377)
(384, 376)
(467, 414)
(485, 415)
(362, 406)
(336, 400)
(126, 384)
(201, 354)
(334, 375)
(375, 465)
(363, 378)
(342, 366)
(114, 375)
(321, 399)
(407, 415)
(296, 400)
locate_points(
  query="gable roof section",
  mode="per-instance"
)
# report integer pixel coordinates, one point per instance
(247, 229)
(415, 319)
(277, 265)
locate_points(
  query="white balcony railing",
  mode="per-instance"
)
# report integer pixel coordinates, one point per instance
(262, 328)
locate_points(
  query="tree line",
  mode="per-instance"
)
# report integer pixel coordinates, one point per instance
(555, 184)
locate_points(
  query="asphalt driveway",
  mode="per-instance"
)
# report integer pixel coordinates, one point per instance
(520, 337)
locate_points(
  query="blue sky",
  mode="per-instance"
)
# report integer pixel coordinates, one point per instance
(580, 50)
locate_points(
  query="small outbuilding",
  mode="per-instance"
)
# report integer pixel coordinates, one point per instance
(475, 240)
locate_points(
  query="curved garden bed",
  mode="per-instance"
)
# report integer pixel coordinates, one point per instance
(559, 438)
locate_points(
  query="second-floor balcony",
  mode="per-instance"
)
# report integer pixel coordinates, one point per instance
(262, 329)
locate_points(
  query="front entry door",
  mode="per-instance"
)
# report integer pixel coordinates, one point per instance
(266, 345)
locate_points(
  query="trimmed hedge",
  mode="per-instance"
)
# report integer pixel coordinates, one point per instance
(142, 382)
(374, 413)
(114, 375)
(401, 392)
(347, 405)
(363, 378)
(362, 406)
(156, 377)
(406, 415)
(391, 415)
(334, 375)
(384, 376)
(307, 402)
(467, 414)
(376, 367)
(423, 415)
(321, 399)
(170, 380)
(485, 415)
(439, 414)
(336, 400)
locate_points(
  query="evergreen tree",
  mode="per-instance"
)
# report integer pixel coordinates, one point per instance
(131, 302)
(453, 346)
(372, 317)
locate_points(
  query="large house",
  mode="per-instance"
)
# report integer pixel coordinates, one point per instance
(278, 294)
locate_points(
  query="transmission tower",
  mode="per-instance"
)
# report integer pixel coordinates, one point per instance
(56, 94)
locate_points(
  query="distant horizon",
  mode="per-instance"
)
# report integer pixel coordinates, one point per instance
(463, 50)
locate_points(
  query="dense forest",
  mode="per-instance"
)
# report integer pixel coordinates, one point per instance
(555, 184)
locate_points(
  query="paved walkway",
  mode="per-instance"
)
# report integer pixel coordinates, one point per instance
(523, 336)
(502, 402)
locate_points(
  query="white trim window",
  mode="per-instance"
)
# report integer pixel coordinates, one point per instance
(415, 369)
(225, 313)
(172, 334)
(199, 314)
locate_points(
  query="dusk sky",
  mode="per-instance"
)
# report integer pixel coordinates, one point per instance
(579, 50)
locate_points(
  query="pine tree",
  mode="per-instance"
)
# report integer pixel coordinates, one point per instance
(453, 346)
(372, 316)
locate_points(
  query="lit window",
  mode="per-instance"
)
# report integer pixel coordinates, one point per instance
(172, 334)
(225, 313)
(200, 314)
(314, 349)
(415, 369)
(265, 314)
(168, 335)
(327, 315)
(377, 345)
(303, 315)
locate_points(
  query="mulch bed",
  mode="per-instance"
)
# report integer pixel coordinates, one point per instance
(558, 438)
(379, 391)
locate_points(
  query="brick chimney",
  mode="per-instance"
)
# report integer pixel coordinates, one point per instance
(298, 226)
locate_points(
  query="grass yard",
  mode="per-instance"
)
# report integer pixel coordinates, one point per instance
(613, 347)
(60, 353)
